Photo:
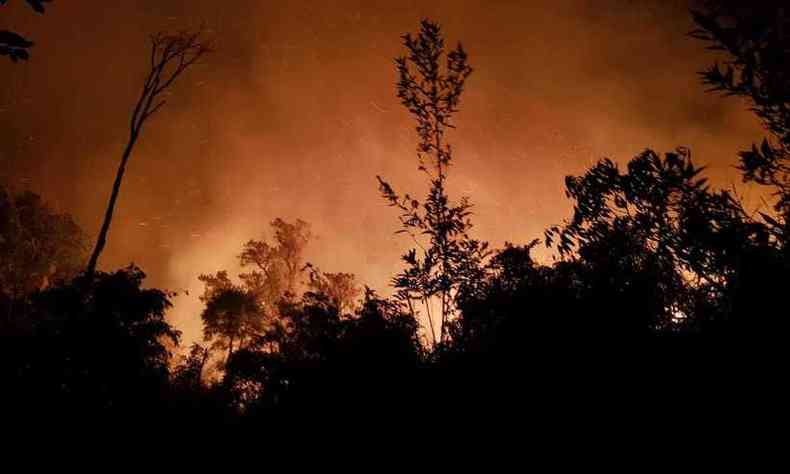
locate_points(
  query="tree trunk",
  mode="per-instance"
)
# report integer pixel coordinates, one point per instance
(230, 351)
(116, 189)
(199, 377)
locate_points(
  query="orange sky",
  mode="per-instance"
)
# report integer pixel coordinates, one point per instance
(295, 115)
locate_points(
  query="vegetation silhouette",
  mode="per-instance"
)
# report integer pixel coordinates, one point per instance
(14, 45)
(450, 258)
(658, 275)
(171, 56)
(755, 39)
(91, 348)
(38, 246)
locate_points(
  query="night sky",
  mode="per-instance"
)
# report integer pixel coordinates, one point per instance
(295, 114)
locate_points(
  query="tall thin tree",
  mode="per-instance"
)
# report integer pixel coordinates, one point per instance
(171, 56)
(431, 80)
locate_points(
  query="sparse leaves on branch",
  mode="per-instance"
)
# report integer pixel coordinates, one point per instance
(756, 42)
(14, 45)
(431, 81)
(170, 56)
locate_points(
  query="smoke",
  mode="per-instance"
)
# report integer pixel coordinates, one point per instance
(295, 115)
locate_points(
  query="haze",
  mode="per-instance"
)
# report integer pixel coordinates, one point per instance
(295, 114)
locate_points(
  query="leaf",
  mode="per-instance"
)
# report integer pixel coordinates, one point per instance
(770, 220)
(37, 5)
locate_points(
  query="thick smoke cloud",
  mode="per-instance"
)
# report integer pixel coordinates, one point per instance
(295, 115)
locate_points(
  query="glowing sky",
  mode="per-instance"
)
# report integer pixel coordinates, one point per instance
(295, 115)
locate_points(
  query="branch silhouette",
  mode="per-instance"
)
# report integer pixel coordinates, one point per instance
(171, 56)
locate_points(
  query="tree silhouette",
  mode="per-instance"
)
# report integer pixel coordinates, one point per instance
(171, 55)
(341, 288)
(92, 348)
(519, 305)
(189, 373)
(276, 267)
(38, 247)
(431, 92)
(327, 360)
(756, 45)
(756, 41)
(250, 313)
(661, 218)
(12, 44)
(232, 316)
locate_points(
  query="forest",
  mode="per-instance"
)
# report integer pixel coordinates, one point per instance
(656, 273)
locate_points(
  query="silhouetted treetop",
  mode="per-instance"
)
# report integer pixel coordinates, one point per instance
(662, 201)
(171, 55)
(755, 38)
(341, 289)
(95, 346)
(273, 268)
(37, 245)
(431, 81)
(231, 319)
(429, 91)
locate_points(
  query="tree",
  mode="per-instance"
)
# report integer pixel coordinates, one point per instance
(341, 288)
(519, 306)
(171, 55)
(38, 246)
(250, 313)
(383, 334)
(356, 360)
(188, 374)
(657, 238)
(93, 347)
(276, 267)
(431, 92)
(232, 316)
(643, 227)
(756, 42)
(12, 44)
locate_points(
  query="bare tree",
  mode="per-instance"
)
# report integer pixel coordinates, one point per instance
(171, 56)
